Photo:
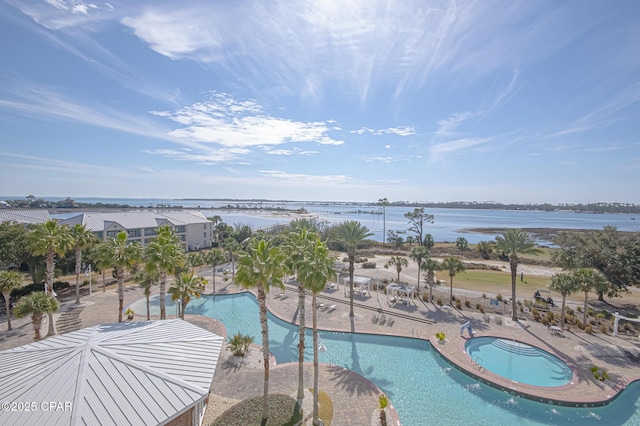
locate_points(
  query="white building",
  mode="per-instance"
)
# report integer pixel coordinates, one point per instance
(24, 216)
(138, 373)
(193, 228)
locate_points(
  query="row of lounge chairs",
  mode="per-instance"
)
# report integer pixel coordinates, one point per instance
(326, 308)
(382, 320)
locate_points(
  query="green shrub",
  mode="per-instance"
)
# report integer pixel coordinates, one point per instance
(439, 302)
(369, 265)
(545, 321)
(478, 306)
(588, 329)
(550, 316)
(604, 329)
(499, 296)
(579, 309)
(458, 305)
(467, 303)
(239, 344)
(579, 323)
(481, 309)
(282, 411)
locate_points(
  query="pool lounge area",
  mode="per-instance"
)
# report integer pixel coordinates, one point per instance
(424, 382)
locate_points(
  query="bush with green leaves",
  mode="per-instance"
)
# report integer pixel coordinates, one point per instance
(239, 344)
(282, 412)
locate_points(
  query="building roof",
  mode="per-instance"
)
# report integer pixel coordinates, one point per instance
(134, 220)
(24, 216)
(143, 373)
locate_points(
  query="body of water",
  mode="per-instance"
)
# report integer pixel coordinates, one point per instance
(448, 224)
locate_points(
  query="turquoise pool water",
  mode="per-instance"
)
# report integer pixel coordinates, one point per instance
(424, 388)
(518, 361)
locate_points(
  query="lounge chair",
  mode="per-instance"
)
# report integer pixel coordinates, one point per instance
(374, 319)
(278, 296)
(382, 319)
(331, 308)
(390, 322)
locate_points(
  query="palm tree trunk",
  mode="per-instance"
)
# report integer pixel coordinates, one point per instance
(315, 361)
(418, 286)
(513, 263)
(301, 332)
(163, 290)
(351, 262)
(584, 313)
(184, 306)
(564, 298)
(120, 296)
(262, 301)
(50, 265)
(214, 279)
(36, 319)
(148, 307)
(78, 261)
(451, 288)
(8, 304)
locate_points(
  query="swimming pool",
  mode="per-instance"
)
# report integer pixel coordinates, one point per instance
(518, 361)
(423, 387)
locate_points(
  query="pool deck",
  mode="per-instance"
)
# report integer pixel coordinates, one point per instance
(354, 397)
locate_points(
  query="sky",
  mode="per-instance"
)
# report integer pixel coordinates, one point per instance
(412, 100)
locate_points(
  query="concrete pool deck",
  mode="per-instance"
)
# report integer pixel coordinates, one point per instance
(354, 400)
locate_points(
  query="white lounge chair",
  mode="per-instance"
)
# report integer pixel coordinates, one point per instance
(331, 308)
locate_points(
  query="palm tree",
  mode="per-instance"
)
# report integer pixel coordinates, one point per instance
(453, 265)
(185, 287)
(165, 254)
(147, 277)
(49, 239)
(384, 203)
(37, 304)
(589, 279)
(9, 281)
(431, 266)
(314, 272)
(399, 262)
(462, 244)
(298, 243)
(565, 284)
(485, 248)
(119, 254)
(514, 242)
(215, 258)
(352, 234)
(81, 238)
(420, 254)
(261, 267)
(232, 247)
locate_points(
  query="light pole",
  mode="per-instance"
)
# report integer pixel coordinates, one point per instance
(87, 272)
(384, 203)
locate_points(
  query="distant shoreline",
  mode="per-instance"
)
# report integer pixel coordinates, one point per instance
(546, 234)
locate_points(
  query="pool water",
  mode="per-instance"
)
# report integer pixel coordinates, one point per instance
(423, 387)
(518, 361)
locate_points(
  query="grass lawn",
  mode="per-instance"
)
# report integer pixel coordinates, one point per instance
(494, 282)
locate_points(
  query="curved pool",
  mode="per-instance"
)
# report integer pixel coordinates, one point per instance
(423, 387)
(518, 361)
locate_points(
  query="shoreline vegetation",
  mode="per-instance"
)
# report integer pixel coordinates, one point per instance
(275, 205)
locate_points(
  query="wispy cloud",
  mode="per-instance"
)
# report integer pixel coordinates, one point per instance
(438, 151)
(300, 178)
(229, 122)
(399, 131)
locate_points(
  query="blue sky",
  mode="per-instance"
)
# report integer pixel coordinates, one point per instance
(508, 101)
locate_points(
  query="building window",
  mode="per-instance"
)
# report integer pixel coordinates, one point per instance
(181, 229)
(112, 234)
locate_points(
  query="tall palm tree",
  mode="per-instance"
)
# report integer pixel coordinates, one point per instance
(565, 284)
(453, 265)
(514, 242)
(588, 280)
(352, 234)
(232, 247)
(165, 254)
(214, 258)
(9, 281)
(186, 286)
(384, 203)
(485, 248)
(37, 304)
(314, 272)
(261, 267)
(399, 262)
(146, 277)
(420, 254)
(431, 266)
(297, 246)
(119, 254)
(49, 239)
(81, 238)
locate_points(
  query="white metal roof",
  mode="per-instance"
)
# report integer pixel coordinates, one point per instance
(135, 220)
(144, 373)
(24, 216)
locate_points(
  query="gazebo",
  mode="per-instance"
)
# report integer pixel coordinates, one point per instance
(144, 373)
(401, 289)
(362, 282)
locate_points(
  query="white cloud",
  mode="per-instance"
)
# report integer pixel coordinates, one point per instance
(440, 150)
(229, 122)
(300, 178)
(400, 131)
